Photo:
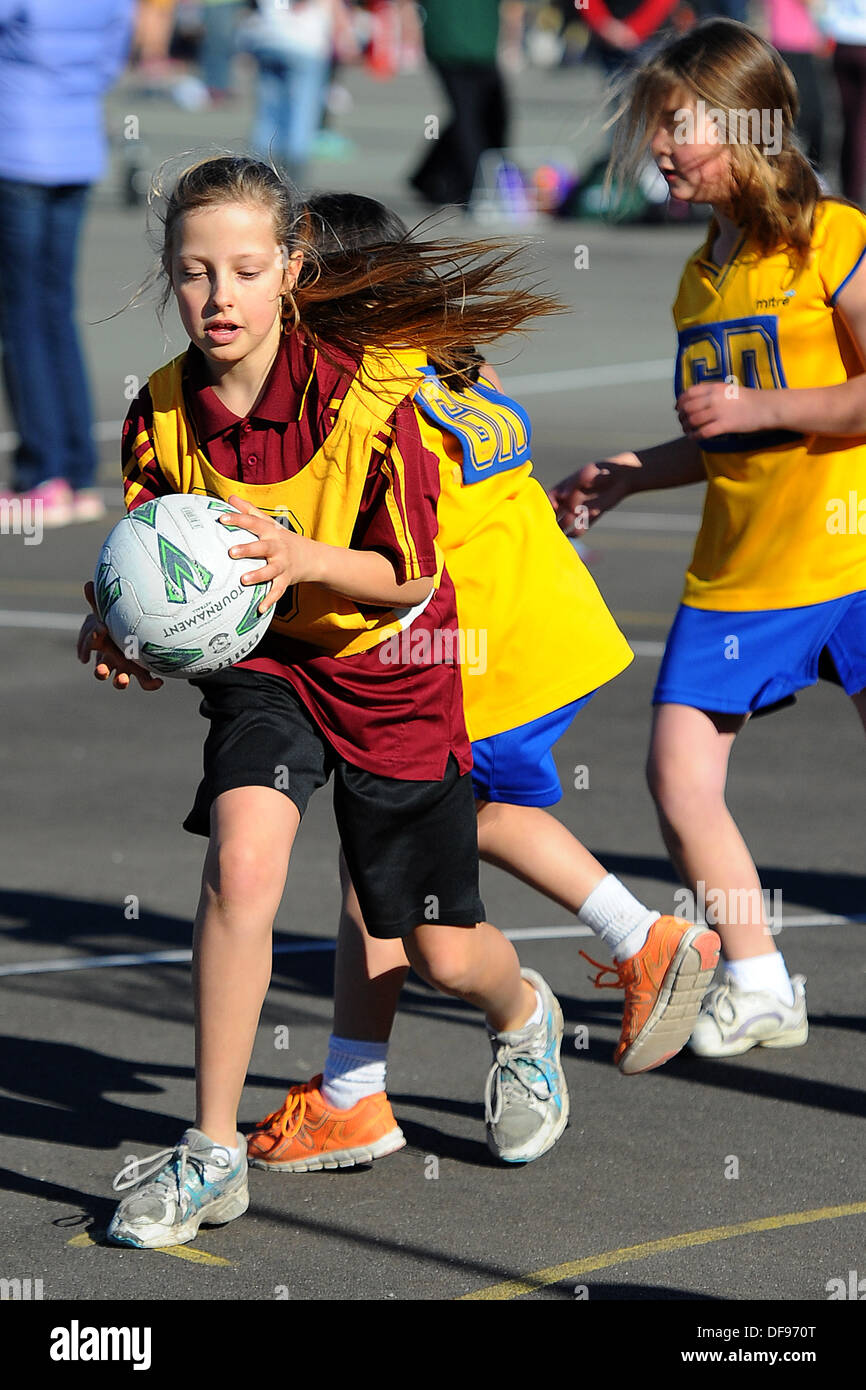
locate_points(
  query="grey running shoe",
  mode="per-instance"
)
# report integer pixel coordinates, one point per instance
(733, 1020)
(526, 1097)
(177, 1190)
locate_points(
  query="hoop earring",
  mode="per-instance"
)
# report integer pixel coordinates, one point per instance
(294, 324)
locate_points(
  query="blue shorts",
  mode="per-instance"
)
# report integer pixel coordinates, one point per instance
(736, 663)
(517, 766)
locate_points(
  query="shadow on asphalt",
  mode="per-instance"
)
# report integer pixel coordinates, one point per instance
(745, 1075)
(831, 892)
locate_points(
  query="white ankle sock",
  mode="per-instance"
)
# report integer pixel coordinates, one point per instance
(767, 972)
(537, 1013)
(234, 1158)
(617, 917)
(353, 1069)
(532, 1022)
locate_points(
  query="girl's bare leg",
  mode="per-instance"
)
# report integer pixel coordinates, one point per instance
(242, 884)
(368, 974)
(477, 964)
(687, 772)
(537, 848)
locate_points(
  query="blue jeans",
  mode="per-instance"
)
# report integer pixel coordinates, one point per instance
(43, 365)
(218, 43)
(290, 100)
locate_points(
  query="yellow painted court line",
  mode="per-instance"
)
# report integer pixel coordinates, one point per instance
(181, 1252)
(543, 1278)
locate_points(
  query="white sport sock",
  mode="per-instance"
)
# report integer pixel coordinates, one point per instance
(217, 1169)
(532, 1022)
(537, 1013)
(353, 1069)
(617, 917)
(767, 972)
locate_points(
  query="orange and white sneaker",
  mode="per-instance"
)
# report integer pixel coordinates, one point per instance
(664, 985)
(305, 1134)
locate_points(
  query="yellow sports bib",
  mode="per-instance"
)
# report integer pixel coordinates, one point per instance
(778, 528)
(321, 501)
(536, 629)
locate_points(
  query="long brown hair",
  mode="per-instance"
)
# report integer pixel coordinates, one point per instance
(729, 68)
(436, 296)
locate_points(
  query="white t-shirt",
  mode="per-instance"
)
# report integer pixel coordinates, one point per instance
(291, 26)
(843, 20)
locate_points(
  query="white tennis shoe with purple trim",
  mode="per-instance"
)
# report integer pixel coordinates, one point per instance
(733, 1020)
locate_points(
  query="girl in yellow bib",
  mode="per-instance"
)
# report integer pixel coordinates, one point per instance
(771, 396)
(535, 641)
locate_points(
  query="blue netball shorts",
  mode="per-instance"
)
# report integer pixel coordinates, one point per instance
(736, 663)
(517, 766)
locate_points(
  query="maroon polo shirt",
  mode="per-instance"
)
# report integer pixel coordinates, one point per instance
(397, 720)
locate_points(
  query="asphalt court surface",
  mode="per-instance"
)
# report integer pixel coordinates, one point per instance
(639, 1200)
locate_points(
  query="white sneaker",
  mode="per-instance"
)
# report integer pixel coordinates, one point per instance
(526, 1096)
(733, 1020)
(177, 1190)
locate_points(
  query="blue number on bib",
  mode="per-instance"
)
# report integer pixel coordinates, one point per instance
(748, 351)
(493, 430)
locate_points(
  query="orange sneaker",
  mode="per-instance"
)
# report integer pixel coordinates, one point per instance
(305, 1134)
(664, 985)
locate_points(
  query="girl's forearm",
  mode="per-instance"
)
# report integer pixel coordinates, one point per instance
(834, 410)
(365, 576)
(675, 463)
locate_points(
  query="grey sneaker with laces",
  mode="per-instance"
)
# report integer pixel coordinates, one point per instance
(734, 1020)
(526, 1097)
(177, 1190)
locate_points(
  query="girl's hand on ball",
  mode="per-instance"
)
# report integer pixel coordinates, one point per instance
(94, 637)
(289, 556)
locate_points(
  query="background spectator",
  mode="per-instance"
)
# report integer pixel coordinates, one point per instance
(845, 22)
(219, 20)
(292, 42)
(461, 42)
(55, 64)
(793, 31)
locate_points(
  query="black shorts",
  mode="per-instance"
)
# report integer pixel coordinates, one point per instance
(411, 847)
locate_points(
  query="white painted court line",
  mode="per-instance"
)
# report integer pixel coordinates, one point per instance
(71, 622)
(648, 521)
(617, 521)
(588, 378)
(530, 384)
(180, 957)
(103, 430)
(287, 948)
(65, 622)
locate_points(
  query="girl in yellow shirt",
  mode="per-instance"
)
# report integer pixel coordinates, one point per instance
(771, 396)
